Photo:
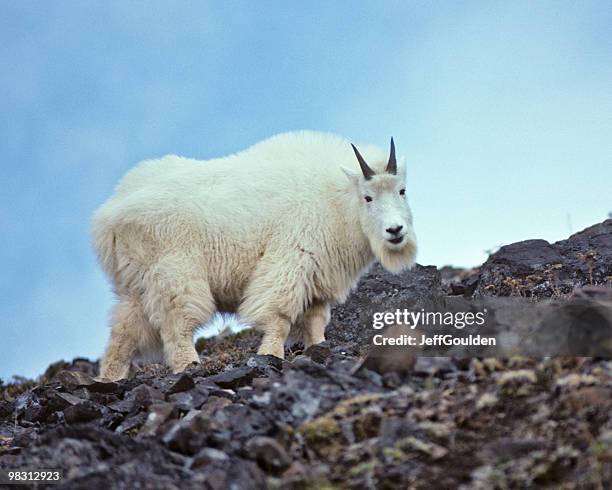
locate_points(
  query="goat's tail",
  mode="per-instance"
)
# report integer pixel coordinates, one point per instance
(104, 242)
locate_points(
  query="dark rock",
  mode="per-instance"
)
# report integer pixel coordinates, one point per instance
(392, 429)
(217, 471)
(535, 268)
(307, 365)
(234, 378)
(209, 388)
(83, 393)
(132, 423)
(137, 399)
(262, 363)
(392, 379)
(349, 349)
(70, 399)
(576, 327)
(188, 400)
(159, 413)
(223, 393)
(270, 455)
(510, 449)
(213, 404)
(459, 282)
(72, 380)
(184, 383)
(25, 437)
(252, 422)
(434, 366)
(387, 359)
(78, 364)
(186, 434)
(82, 412)
(470, 284)
(6, 409)
(209, 456)
(319, 352)
(297, 476)
(595, 293)
(245, 474)
(373, 377)
(593, 398)
(381, 291)
(596, 238)
(92, 457)
(457, 289)
(30, 407)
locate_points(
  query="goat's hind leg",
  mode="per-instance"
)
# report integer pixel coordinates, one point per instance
(273, 321)
(128, 320)
(276, 331)
(183, 302)
(177, 338)
(316, 319)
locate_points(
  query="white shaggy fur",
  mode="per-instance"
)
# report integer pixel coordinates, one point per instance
(275, 233)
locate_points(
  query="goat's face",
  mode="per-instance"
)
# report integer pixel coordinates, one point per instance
(384, 213)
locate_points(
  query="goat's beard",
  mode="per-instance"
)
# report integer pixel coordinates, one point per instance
(396, 259)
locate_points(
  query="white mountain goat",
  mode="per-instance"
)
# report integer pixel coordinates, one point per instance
(275, 233)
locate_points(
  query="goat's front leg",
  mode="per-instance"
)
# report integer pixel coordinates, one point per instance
(275, 297)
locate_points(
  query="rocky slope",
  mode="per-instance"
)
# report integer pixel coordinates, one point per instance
(339, 416)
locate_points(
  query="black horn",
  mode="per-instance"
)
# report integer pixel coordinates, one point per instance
(368, 173)
(392, 165)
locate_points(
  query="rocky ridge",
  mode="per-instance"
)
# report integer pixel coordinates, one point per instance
(334, 415)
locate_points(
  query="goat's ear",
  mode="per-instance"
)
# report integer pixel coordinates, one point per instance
(351, 175)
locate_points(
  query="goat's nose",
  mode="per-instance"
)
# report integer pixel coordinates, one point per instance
(394, 231)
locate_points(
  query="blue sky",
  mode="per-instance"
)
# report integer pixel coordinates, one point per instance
(503, 110)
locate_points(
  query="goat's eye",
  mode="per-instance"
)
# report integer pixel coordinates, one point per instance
(402, 192)
(368, 199)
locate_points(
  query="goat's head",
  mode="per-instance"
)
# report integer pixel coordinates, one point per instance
(384, 213)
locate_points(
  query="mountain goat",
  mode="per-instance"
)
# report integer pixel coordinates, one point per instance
(275, 233)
